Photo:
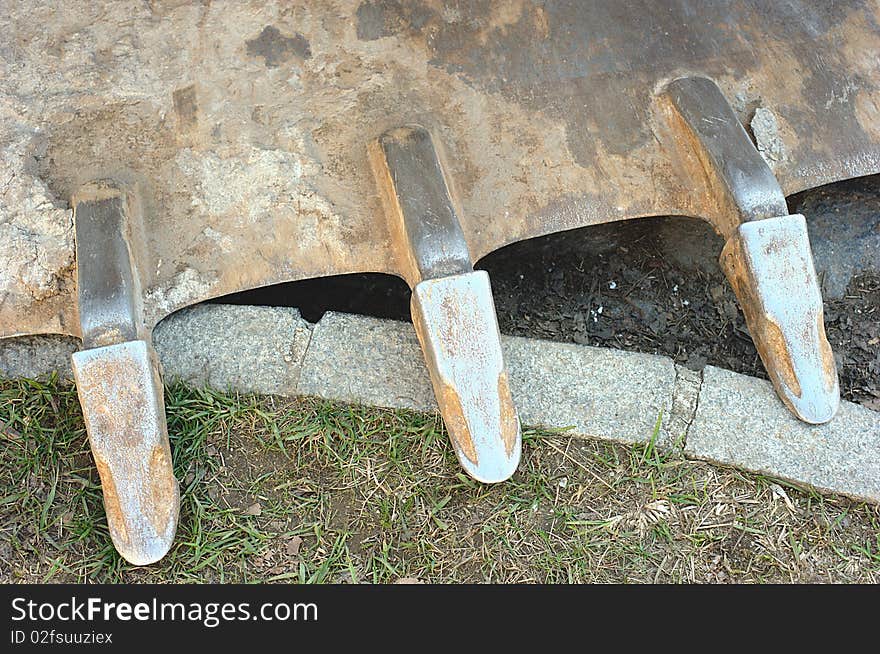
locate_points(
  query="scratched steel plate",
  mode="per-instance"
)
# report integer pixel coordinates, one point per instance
(245, 126)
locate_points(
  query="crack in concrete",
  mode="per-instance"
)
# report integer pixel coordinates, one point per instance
(685, 402)
(310, 328)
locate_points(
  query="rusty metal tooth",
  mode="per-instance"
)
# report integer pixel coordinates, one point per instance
(120, 391)
(455, 321)
(767, 256)
(118, 381)
(770, 266)
(452, 307)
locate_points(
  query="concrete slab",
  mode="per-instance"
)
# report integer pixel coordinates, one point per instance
(37, 356)
(368, 361)
(244, 348)
(600, 393)
(740, 422)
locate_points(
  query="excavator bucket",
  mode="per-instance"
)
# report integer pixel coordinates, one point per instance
(159, 154)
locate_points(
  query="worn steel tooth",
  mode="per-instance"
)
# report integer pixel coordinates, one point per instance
(118, 381)
(767, 256)
(452, 307)
(120, 391)
(770, 266)
(456, 324)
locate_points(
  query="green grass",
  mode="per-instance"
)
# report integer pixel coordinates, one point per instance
(307, 491)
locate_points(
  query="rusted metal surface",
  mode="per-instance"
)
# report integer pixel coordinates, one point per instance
(122, 400)
(452, 307)
(770, 266)
(457, 328)
(117, 378)
(247, 125)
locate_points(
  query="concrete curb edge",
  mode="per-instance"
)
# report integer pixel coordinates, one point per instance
(716, 415)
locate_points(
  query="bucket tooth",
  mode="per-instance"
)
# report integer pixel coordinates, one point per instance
(770, 267)
(118, 381)
(452, 307)
(455, 321)
(120, 392)
(766, 257)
